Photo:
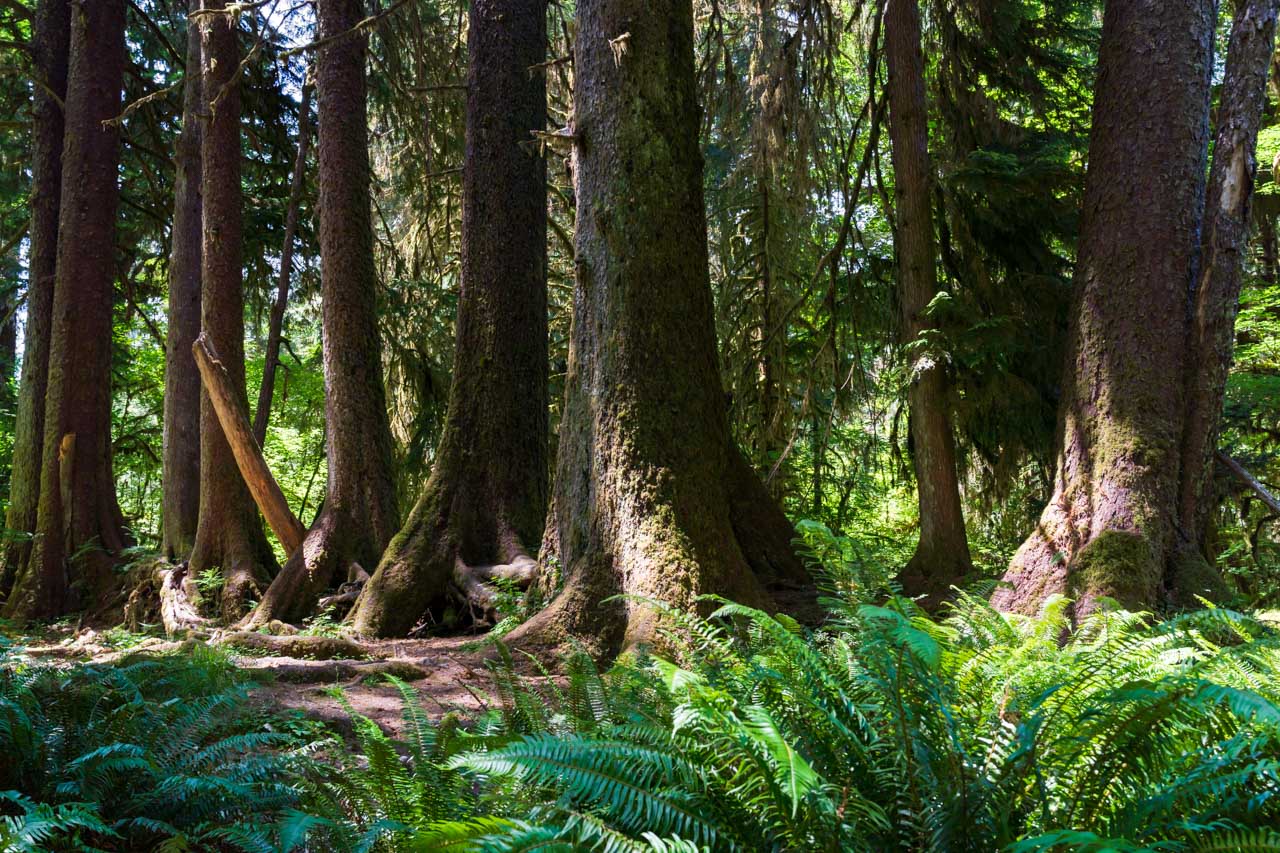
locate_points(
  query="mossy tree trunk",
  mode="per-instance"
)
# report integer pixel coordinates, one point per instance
(181, 475)
(482, 511)
(359, 515)
(50, 42)
(78, 526)
(1110, 527)
(229, 534)
(650, 490)
(1224, 245)
(941, 557)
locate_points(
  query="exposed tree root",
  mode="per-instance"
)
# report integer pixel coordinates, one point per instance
(328, 671)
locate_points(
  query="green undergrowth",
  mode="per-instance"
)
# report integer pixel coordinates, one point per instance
(885, 729)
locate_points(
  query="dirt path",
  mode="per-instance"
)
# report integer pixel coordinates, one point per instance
(456, 679)
(448, 673)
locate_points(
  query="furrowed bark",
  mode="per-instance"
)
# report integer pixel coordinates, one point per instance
(1224, 246)
(360, 514)
(78, 531)
(1109, 526)
(50, 42)
(942, 557)
(229, 534)
(275, 325)
(485, 503)
(234, 423)
(642, 502)
(181, 476)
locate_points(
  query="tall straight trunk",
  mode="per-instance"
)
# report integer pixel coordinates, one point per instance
(942, 554)
(229, 533)
(1224, 244)
(78, 533)
(50, 42)
(484, 507)
(1109, 527)
(650, 489)
(181, 477)
(275, 325)
(360, 514)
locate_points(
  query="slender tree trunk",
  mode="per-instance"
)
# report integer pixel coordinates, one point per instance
(229, 534)
(942, 556)
(50, 42)
(78, 524)
(649, 486)
(1224, 244)
(181, 476)
(275, 326)
(1270, 255)
(360, 515)
(482, 511)
(1110, 526)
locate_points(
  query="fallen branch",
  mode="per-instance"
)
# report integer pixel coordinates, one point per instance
(232, 415)
(1254, 484)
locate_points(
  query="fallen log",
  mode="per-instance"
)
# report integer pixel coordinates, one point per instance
(229, 405)
(296, 645)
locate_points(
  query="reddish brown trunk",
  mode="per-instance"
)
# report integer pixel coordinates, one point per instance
(275, 325)
(646, 471)
(941, 558)
(78, 526)
(1223, 248)
(50, 41)
(360, 515)
(229, 534)
(484, 506)
(181, 380)
(1109, 527)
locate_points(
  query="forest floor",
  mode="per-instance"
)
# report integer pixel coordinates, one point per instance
(450, 674)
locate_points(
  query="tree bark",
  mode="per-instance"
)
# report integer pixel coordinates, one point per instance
(360, 514)
(50, 43)
(78, 531)
(181, 476)
(647, 470)
(1109, 527)
(485, 503)
(229, 533)
(1224, 246)
(941, 557)
(275, 325)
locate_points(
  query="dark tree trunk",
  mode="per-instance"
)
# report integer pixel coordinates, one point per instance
(359, 516)
(1109, 527)
(1224, 243)
(78, 534)
(941, 558)
(181, 379)
(649, 486)
(482, 511)
(275, 325)
(229, 534)
(50, 42)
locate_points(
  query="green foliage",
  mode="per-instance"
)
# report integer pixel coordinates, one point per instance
(150, 753)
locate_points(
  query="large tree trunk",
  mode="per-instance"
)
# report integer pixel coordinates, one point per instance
(78, 525)
(484, 507)
(942, 555)
(644, 496)
(275, 324)
(229, 534)
(50, 42)
(359, 515)
(1109, 527)
(181, 476)
(1224, 244)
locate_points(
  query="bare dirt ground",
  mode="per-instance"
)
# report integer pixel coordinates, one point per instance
(450, 674)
